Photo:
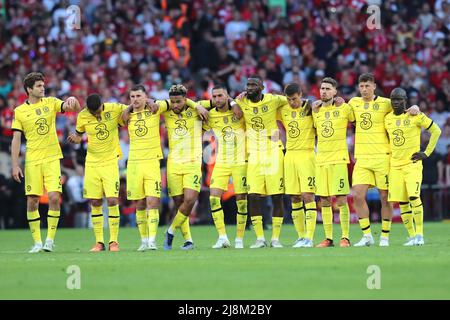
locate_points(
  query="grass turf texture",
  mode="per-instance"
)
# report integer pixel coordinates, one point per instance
(205, 273)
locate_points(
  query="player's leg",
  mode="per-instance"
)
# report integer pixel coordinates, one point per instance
(323, 191)
(398, 193)
(344, 216)
(292, 184)
(113, 222)
(190, 197)
(241, 219)
(386, 218)
(341, 188)
(359, 192)
(363, 178)
(111, 184)
(254, 204)
(175, 189)
(52, 182)
(327, 221)
(382, 183)
(219, 183)
(256, 187)
(33, 190)
(239, 175)
(310, 217)
(192, 177)
(34, 222)
(93, 190)
(218, 217)
(307, 175)
(153, 204)
(152, 189)
(135, 191)
(298, 218)
(97, 224)
(275, 186)
(277, 220)
(413, 186)
(142, 223)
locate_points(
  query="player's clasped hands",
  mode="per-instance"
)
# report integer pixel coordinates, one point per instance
(74, 138)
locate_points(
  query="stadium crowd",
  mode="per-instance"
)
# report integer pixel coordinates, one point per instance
(199, 43)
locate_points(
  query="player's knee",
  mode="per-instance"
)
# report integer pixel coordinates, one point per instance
(308, 197)
(140, 204)
(153, 203)
(296, 199)
(32, 203)
(190, 201)
(96, 202)
(359, 195)
(325, 202)
(241, 196)
(112, 202)
(53, 199)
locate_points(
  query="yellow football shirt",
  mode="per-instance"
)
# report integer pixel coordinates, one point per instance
(261, 122)
(404, 136)
(102, 132)
(185, 135)
(331, 126)
(230, 135)
(143, 130)
(299, 125)
(38, 123)
(371, 141)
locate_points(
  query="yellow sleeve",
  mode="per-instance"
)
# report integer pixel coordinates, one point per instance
(164, 105)
(16, 123)
(282, 101)
(207, 104)
(80, 129)
(190, 103)
(351, 114)
(120, 107)
(435, 131)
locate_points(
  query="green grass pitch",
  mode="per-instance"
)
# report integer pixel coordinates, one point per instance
(205, 273)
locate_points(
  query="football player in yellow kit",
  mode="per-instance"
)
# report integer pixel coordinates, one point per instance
(405, 174)
(36, 120)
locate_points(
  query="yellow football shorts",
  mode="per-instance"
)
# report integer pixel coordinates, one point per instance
(143, 180)
(265, 172)
(373, 172)
(44, 175)
(222, 173)
(405, 182)
(183, 175)
(300, 172)
(102, 180)
(332, 180)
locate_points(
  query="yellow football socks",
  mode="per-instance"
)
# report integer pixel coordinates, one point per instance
(113, 221)
(97, 223)
(311, 218)
(141, 221)
(217, 214)
(241, 218)
(327, 220)
(34, 221)
(298, 217)
(52, 223)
